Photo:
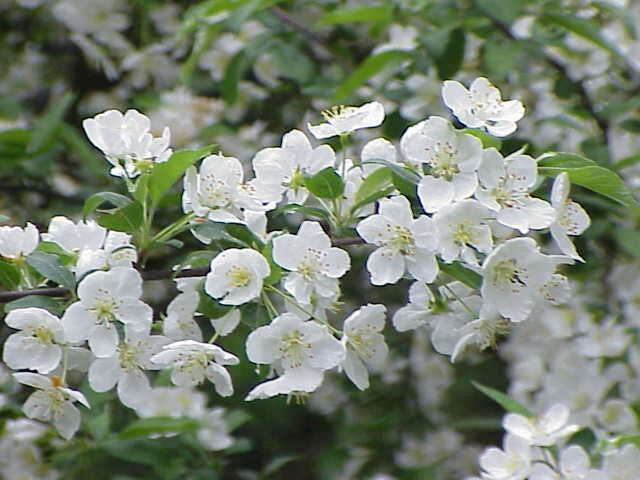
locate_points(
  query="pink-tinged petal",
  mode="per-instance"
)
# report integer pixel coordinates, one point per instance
(385, 266)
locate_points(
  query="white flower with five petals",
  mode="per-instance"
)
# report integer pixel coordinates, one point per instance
(236, 276)
(301, 350)
(38, 344)
(482, 107)
(314, 264)
(542, 431)
(52, 401)
(342, 120)
(105, 299)
(191, 362)
(404, 243)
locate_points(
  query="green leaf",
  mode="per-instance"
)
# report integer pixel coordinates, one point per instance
(236, 418)
(506, 11)
(461, 273)
(367, 69)
(167, 173)
(633, 439)
(234, 72)
(142, 188)
(376, 196)
(505, 401)
(243, 234)
(97, 199)
(210, 307)
(159, 425)
(451, 59)
(327, 183)
(9, 275)
(630, 125)
(277, 463)
(583, 27)
(49, 123)
(126, 219)
(308, 211)
(357, 15)
(276, 272)
(36, 301)
(629, 240)
(488, 141)
(375, 182)
(49, 266)
(588, 174)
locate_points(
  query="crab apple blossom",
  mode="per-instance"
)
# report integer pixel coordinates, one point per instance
(126, 141)
(452, 156)
(513, 462)
(179, 323)
(75, 237)
(504, 188)
(125, 368)
(191, 362)
(571, 219)
(404, 243)
(482, 107)
(364, 343)
(281, 170)
(300, 349)
(512, 274)
(16, 242)
(573, 465)
(216, 191)
(236, 276)
(462, 229)
(314, 265)
(106, 298)
(544, 430)
(52, 401)
(419, 312)
(38, 345)
(342, 120)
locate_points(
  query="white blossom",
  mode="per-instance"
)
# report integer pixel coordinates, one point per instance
(314, 264)
(513, 462)
(343, 120)
(104, 299)
(214, 434)
(462, 230)
(16, 242)
(505, 184)
(544, 430)
(236, 276)
(482, 107)
(512, 275)
(452, 156)
(38, 345)
(571, 219)
(52, 401)
(179, 323)
(404, 243)
(364, 343)
(126, 141)
(126, 367)
(573, 465)
(191, 362)
(282, 169)
(301, 350)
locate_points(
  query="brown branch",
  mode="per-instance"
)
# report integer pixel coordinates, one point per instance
(345, 242)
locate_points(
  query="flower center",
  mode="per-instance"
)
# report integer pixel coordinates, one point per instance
(104, 309)
(214, 193)
(441, 158)
(402, 240)
(238, 276)
(462, 234)
(43, 335)
(507, 272)
(127, 354)
(293, 348)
